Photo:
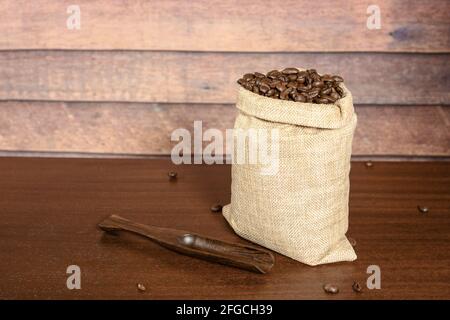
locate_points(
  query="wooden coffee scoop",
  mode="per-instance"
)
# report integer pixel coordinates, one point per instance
(197, 246)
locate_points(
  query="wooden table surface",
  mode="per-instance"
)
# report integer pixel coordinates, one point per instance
(49, 209)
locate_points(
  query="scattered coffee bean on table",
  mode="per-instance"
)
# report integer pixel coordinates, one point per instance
(295, 85)
(422, 209)
(330, 288)
(369, 164)
(172, 175)
(216, 208)
(356, 287)
(141, 287)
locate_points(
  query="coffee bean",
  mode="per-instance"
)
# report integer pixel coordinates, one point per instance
(318, 84)
(141, 287)
(304, 88)
(273, 74)
(281, 86)
(299, 98)
(290, 71)
(285, 94)
(329, 98)
(339, 91)
(248, 76)
(356, 287)
(321, 100)
(335, 95)
(422, 209)
(172, 175)
(325, 91)
(264, 88)
(352, 241)
(292, 84)
(330, 288)
(216, 208)
(275, 84)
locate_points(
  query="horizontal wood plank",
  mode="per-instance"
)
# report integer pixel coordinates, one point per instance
(236, 25)
(211, 77)
(50, 209)
(137, 128)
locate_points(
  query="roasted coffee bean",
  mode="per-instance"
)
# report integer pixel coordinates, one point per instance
(318, 84)
(141, 287)
(330, 288)
(339, 91)
(285, 94)
(325, 91)
(352, 241)
(303, 88)
(422, 209)
(329, 98)
(299, 98)
(292, 84)
(248, 76)
(369, 164)
(216, 208)
(172, 175)
(305, 85)
(290, 71)
(335, 95)
(356, 287)
(264, 88)
(273, 74)
(321, 100)
(281, 86)
(283, 78)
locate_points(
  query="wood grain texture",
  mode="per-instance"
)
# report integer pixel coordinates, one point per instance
(136, 128)
(50, 209)
(211, 77)
(215, 25)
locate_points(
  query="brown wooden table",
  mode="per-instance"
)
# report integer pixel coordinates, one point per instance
(49, 209)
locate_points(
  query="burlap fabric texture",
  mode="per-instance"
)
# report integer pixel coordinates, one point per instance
(302, 210)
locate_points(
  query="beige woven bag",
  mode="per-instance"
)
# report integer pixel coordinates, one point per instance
(302, 211)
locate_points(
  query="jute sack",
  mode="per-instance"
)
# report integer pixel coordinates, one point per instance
(302, 210)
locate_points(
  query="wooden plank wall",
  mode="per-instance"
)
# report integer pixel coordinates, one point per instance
(137, 70)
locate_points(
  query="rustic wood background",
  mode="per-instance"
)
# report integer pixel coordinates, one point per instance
(137, 70)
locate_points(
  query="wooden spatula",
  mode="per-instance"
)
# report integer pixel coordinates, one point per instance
(194, 245)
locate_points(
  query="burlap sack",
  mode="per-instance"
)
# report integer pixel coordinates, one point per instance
(302, 211)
